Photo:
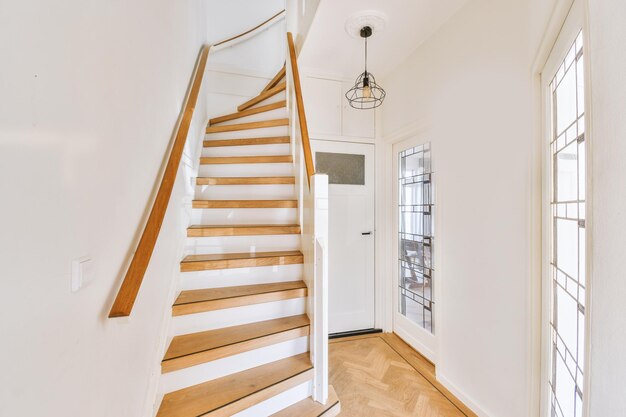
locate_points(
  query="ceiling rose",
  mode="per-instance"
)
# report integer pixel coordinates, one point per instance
(372, 18)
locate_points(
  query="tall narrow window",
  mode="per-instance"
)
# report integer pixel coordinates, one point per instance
(568, 253)
(416, 233)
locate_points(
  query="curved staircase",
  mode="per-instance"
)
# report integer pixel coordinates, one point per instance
(240, 332)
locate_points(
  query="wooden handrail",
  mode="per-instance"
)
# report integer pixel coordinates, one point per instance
(127, 294)
(304, 130)
(282, 12)
(134, 276)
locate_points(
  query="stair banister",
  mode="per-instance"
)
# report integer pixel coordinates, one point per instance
(304, 130)
(314, 222)
(127, 294)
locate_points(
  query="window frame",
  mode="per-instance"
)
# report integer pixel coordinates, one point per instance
(574, 22)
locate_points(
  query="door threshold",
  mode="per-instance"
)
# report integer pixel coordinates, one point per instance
(354, 333)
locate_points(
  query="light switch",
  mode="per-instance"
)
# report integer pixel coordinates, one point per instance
(82, 273)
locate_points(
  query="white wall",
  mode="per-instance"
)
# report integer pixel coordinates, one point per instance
(89, 96)
(469, 88)
(265, 53)
(226, 90)
(607, 33)
(306, 11)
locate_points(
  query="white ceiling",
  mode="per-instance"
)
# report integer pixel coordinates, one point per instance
(330, 50)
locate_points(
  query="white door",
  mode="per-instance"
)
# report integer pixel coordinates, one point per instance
(415, 284)
(350, 169)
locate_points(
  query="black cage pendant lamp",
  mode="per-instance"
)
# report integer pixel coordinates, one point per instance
(366, 94)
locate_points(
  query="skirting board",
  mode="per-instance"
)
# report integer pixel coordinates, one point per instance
(462, 397)
(415, 344)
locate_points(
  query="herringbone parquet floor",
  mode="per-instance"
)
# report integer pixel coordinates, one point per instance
(372, 379)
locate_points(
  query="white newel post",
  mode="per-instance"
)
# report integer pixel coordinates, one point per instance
(319, 191)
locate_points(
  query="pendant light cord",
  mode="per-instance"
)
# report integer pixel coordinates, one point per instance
(366, 56)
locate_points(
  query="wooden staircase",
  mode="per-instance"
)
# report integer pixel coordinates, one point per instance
(239, 329)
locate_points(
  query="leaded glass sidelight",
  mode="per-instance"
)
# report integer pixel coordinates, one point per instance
(568, 250)
(416, 234)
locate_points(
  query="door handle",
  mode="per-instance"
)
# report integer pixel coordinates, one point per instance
(366, 233)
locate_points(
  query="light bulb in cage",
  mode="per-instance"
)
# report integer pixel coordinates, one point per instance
(366, 93)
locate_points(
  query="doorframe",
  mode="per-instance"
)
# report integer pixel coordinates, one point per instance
(386, 226)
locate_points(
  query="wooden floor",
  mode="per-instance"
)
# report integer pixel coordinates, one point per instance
(380, 375)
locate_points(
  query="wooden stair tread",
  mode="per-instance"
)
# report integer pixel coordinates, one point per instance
(245, 255)
(310, 408)
(270, 140)
(245, 204)
(263, 96)
(248, 126)
(248, 112)
(239, 260)
(228, 293)
(197, 348)
(233, 393)
(211, 299)
(243, 230)
(212, 339)
(244, 180)
(262, 159)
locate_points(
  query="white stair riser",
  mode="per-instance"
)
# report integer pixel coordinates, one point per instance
(280, 169)
(245, 216)
(278, 402)
(246, 192)
(240, 276)
(252, 150)
(241, 244)
(173, 381)
(250, 133)
(280, 113)
(217, 319)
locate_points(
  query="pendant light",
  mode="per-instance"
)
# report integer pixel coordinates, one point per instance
(366, 94)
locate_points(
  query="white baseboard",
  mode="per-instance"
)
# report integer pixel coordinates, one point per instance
(416, 344)
(469, 402)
